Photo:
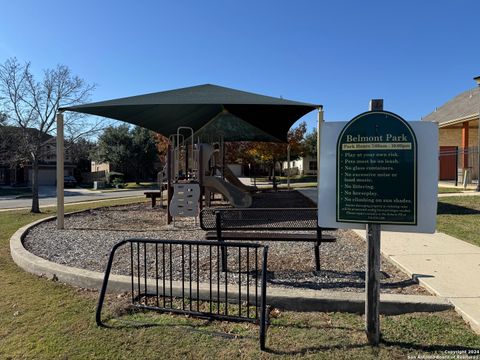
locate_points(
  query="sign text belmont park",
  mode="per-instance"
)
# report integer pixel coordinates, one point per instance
(377, 170)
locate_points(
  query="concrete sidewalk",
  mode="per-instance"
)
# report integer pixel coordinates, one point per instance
(468, 193)
(446, 266)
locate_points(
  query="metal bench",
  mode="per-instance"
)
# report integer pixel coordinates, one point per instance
(265, 224)
(153, 195)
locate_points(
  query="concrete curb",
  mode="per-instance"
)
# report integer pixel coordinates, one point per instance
(297, 300)
(390, 304)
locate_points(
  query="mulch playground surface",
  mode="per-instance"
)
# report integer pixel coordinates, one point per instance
(89, 236)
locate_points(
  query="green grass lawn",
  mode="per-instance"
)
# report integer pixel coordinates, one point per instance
(293, 178)
(294, 185)
(142, 185)
(134, 186)
(446, 190)
(296, 181)
(459, 216)
(42, 319)
(130, 186)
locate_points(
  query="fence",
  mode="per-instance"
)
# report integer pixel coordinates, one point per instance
(185, 277)
(458, 165)
(90, 177)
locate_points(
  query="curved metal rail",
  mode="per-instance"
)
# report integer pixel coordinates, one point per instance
(165, 276)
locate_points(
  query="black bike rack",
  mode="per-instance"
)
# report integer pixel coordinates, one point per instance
(169, 276)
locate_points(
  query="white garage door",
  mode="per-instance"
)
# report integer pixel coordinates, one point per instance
(45, 177)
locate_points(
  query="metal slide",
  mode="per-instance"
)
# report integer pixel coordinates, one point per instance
(231, 178)
(237, 197)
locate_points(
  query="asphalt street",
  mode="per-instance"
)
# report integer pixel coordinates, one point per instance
(48, 197)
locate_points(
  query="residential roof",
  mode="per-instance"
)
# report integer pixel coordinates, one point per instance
(234, 114)
(463, 107)
(10, 131)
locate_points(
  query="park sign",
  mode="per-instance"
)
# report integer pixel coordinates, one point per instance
(374, 175)
(376, 171)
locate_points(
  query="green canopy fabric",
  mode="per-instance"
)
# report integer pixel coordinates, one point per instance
(208, 109)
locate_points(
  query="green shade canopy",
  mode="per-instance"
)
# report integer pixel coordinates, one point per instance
(208, 109)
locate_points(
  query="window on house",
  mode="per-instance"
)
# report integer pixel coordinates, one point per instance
(312, 165)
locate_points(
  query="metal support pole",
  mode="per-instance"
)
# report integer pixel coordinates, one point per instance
(224, 163)
(60, 172)
(170, 166)
(186, 160)
(288, 166)
(263, 309)
(478, 152)
(477, 79)
(456, 166)
(319, 133)
(218, 225)
(200, 173)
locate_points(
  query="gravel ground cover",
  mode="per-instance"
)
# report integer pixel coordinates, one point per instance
(89, 236)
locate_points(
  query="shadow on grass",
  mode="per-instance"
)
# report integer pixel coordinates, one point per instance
(426, 348)
(343, 280)
(198, 327)
(315, 349)
(384, 345)
(451, 209)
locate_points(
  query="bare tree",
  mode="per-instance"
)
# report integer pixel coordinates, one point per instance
(32, 105)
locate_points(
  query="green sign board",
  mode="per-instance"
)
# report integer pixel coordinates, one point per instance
(377, 170)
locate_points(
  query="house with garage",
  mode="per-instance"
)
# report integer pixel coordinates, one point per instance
(15, 167)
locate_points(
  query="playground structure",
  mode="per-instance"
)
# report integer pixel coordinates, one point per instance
(194, 172)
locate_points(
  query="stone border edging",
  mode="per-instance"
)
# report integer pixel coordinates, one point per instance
(296, 300)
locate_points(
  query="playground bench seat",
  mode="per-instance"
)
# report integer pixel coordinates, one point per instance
(268, 236)
(153, 195)
(265, 224)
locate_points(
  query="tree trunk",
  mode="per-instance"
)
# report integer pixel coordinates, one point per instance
(35, 201)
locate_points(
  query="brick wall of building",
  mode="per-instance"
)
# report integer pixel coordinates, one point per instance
(453, 137)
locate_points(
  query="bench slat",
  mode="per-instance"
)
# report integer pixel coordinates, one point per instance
(234, 235)
(250, 224)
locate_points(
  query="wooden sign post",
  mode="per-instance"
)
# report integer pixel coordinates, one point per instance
(376, 184)
(372, 284)
(372, 270)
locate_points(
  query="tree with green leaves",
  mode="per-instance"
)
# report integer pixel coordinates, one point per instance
(144, 151)
(310, 143)
(267, 153)
(129, 150)
(79, 152)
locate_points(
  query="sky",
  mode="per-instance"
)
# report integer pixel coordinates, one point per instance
(416, 55)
